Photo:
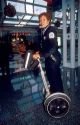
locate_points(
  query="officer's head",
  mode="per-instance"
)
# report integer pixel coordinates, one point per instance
(44, 19)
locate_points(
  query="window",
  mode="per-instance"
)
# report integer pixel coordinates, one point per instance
(27, 12)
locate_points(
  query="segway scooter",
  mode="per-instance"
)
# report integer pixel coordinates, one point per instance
(57, 104)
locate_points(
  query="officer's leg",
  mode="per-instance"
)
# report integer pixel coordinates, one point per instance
(54, 76)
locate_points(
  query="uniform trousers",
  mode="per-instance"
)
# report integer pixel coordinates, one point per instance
(53, 73)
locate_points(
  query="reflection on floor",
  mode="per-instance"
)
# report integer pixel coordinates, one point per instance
(21, 102)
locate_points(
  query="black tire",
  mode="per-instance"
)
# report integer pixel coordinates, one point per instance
(57, 104)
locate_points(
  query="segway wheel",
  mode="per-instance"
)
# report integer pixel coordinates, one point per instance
(57, 105)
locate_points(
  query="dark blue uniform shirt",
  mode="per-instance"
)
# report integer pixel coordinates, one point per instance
(48, 42)
(48, 45)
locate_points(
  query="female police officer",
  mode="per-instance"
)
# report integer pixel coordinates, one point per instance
(48, 48)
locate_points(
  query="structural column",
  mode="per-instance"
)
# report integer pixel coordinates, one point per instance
(70, 60)
(79, 42)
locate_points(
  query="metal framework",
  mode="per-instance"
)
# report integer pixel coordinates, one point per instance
(26, 12)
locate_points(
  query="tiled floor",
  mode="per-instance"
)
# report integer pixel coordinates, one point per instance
(21, 102)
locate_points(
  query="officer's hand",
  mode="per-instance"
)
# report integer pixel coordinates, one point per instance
(36, 56)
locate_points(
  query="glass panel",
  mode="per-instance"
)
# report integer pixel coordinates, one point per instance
(11, 22)
(23, 23)
(18, 6)
(58, 14)
(27, 17)
(29, 9)
(34, 18)
(38, 10)
(59, 41)
(59, 44)
(21, 0)
(20, 17)
(30, 1)
(32, 24)
(40, 2)
(15, 17)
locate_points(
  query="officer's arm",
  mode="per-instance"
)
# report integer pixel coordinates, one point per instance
(52, 38)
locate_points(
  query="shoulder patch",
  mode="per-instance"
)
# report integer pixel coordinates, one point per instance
(51, 35)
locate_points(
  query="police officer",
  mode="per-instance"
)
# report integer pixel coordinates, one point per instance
(48, 48)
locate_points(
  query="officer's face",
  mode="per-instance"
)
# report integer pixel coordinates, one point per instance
(43, 22)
